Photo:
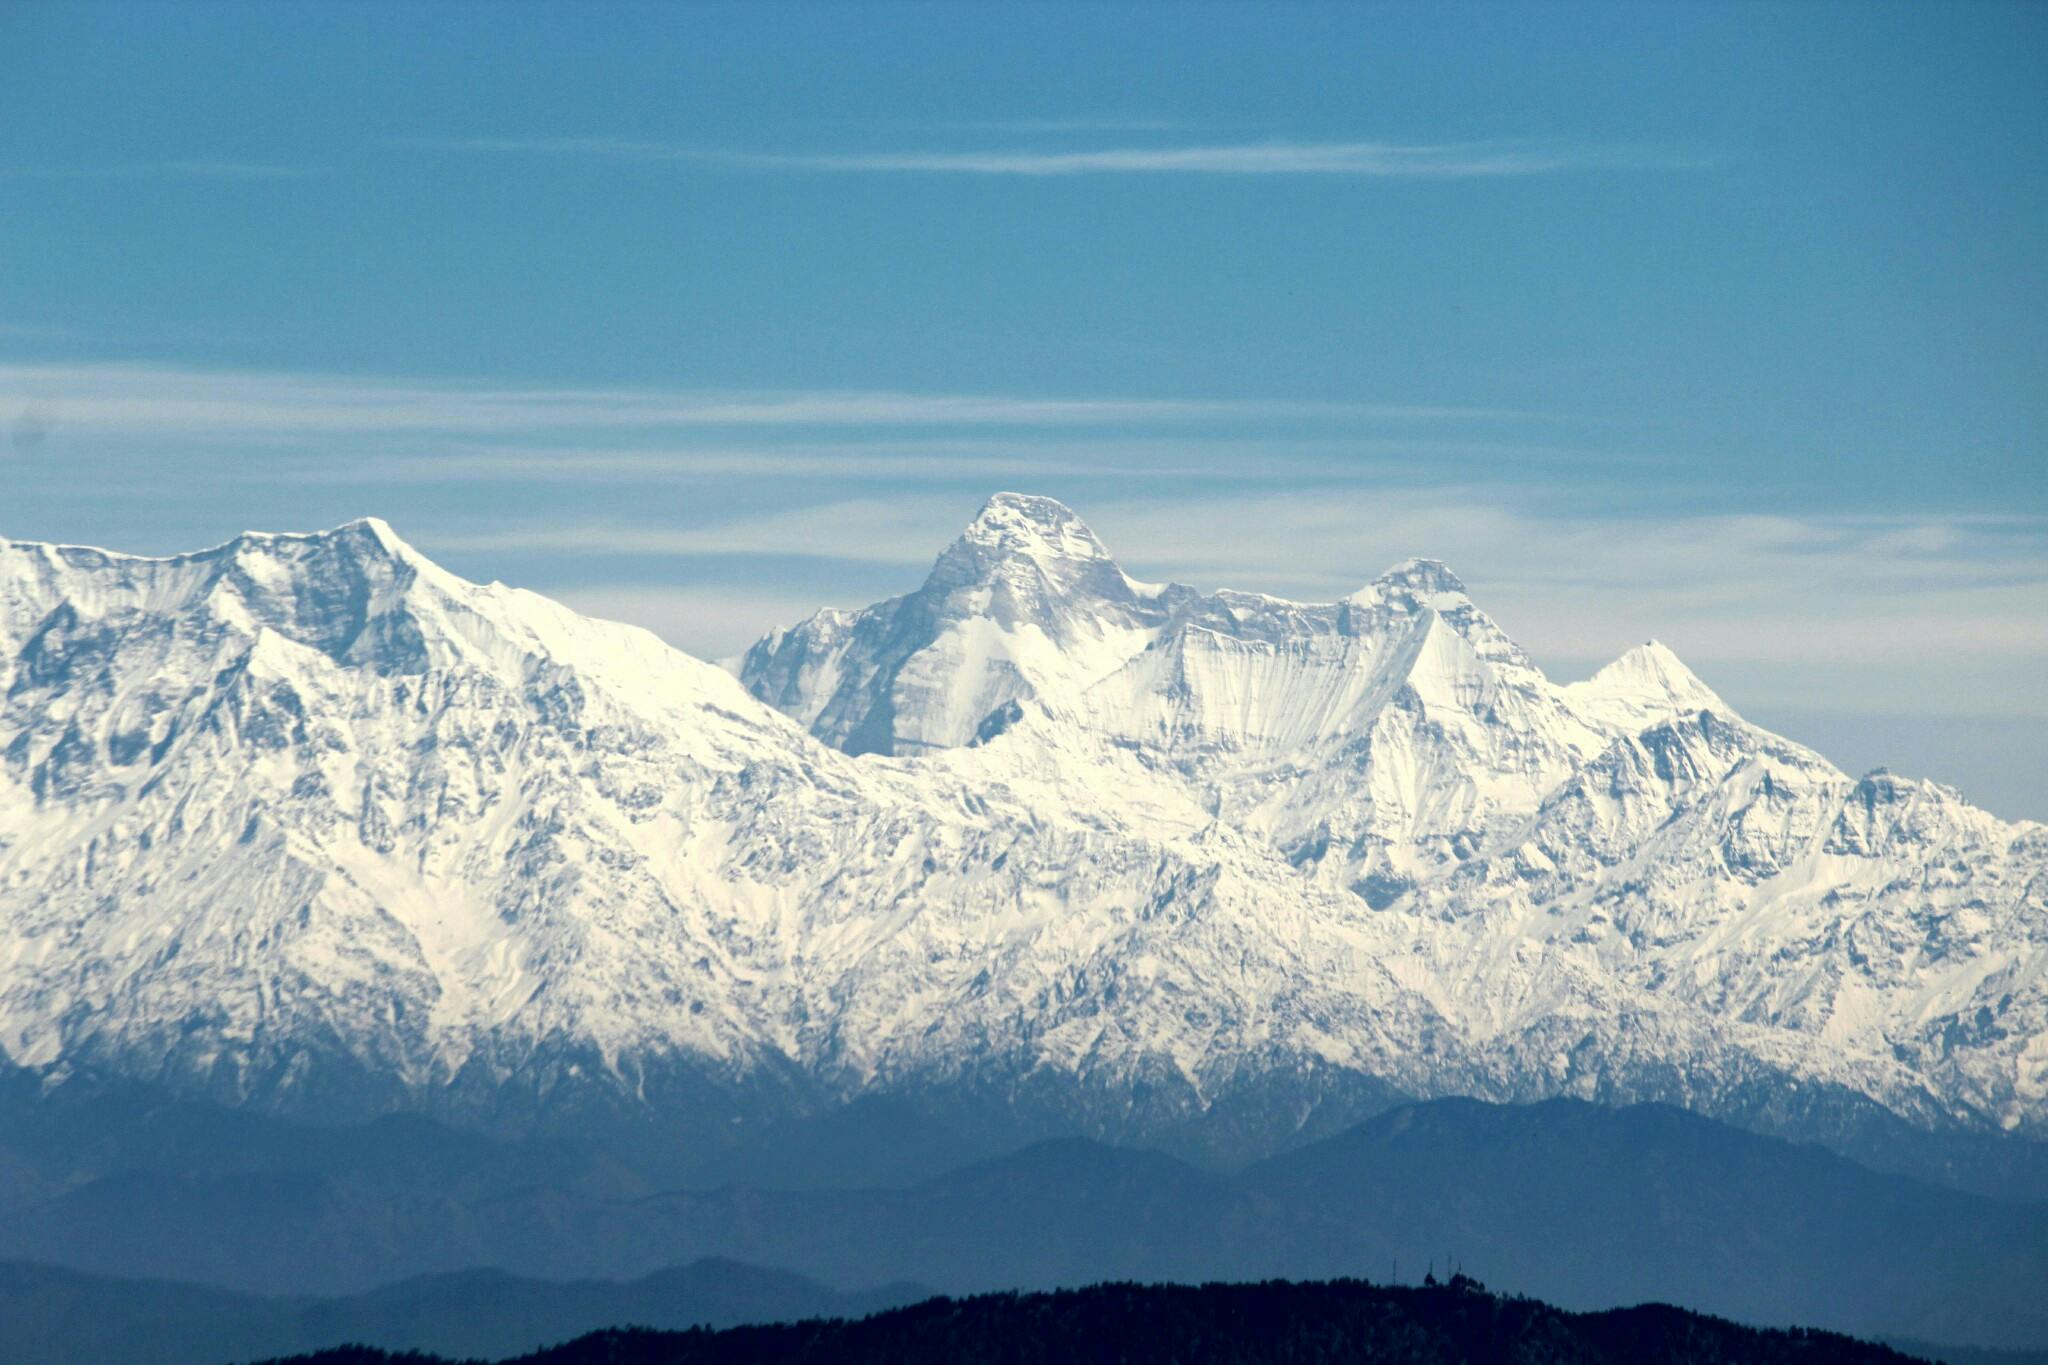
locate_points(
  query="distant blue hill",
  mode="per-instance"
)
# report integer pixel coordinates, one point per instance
(1580, 1205)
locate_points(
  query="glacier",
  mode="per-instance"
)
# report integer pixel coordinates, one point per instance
(308, 824)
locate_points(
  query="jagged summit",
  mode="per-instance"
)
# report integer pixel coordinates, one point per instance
(344, 591)
(1026, 599)
(1647, 683)
(1418, 576)
(1027, 603)
(360, 541)
(357, 593)
(1651, 663)
(366, 533)
(379, 532)
(1423, 589)
(1030, 525)
(1025, 558)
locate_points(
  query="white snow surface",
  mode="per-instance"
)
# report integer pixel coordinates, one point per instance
(305, 815)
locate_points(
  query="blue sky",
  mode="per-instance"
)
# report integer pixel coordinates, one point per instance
(1727, 325)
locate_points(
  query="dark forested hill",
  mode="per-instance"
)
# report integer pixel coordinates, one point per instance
(1274, 1323)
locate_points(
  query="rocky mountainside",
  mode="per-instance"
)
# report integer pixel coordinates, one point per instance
(308, 824)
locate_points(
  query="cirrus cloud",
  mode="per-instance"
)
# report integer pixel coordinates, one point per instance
(1368, 159)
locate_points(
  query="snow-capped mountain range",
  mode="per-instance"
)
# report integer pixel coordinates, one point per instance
(307, 823)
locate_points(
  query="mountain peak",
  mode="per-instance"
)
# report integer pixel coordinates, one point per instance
(1024, 600)
(1420, 576)
(377, 529)
(1032, 552)
(1646, 684)
(1032, 526)
(365, 548)
(1653, 664)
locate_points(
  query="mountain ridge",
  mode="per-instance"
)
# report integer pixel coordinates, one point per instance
(1582, 1205)
(54, 1316)
(309, 824)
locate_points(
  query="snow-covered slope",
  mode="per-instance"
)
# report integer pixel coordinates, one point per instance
(307, 823)
(1398, 745)
(1026, 603)
(1375, 741)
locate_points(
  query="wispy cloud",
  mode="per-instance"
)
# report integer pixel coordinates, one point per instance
(196, 169)
(968, 459)
(1371, 159)
(955, 460)
(1385, 160)
(160, 400)
(900, 530)
(1107, 123)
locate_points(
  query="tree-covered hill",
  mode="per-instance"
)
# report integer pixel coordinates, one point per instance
(1274, 1323)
